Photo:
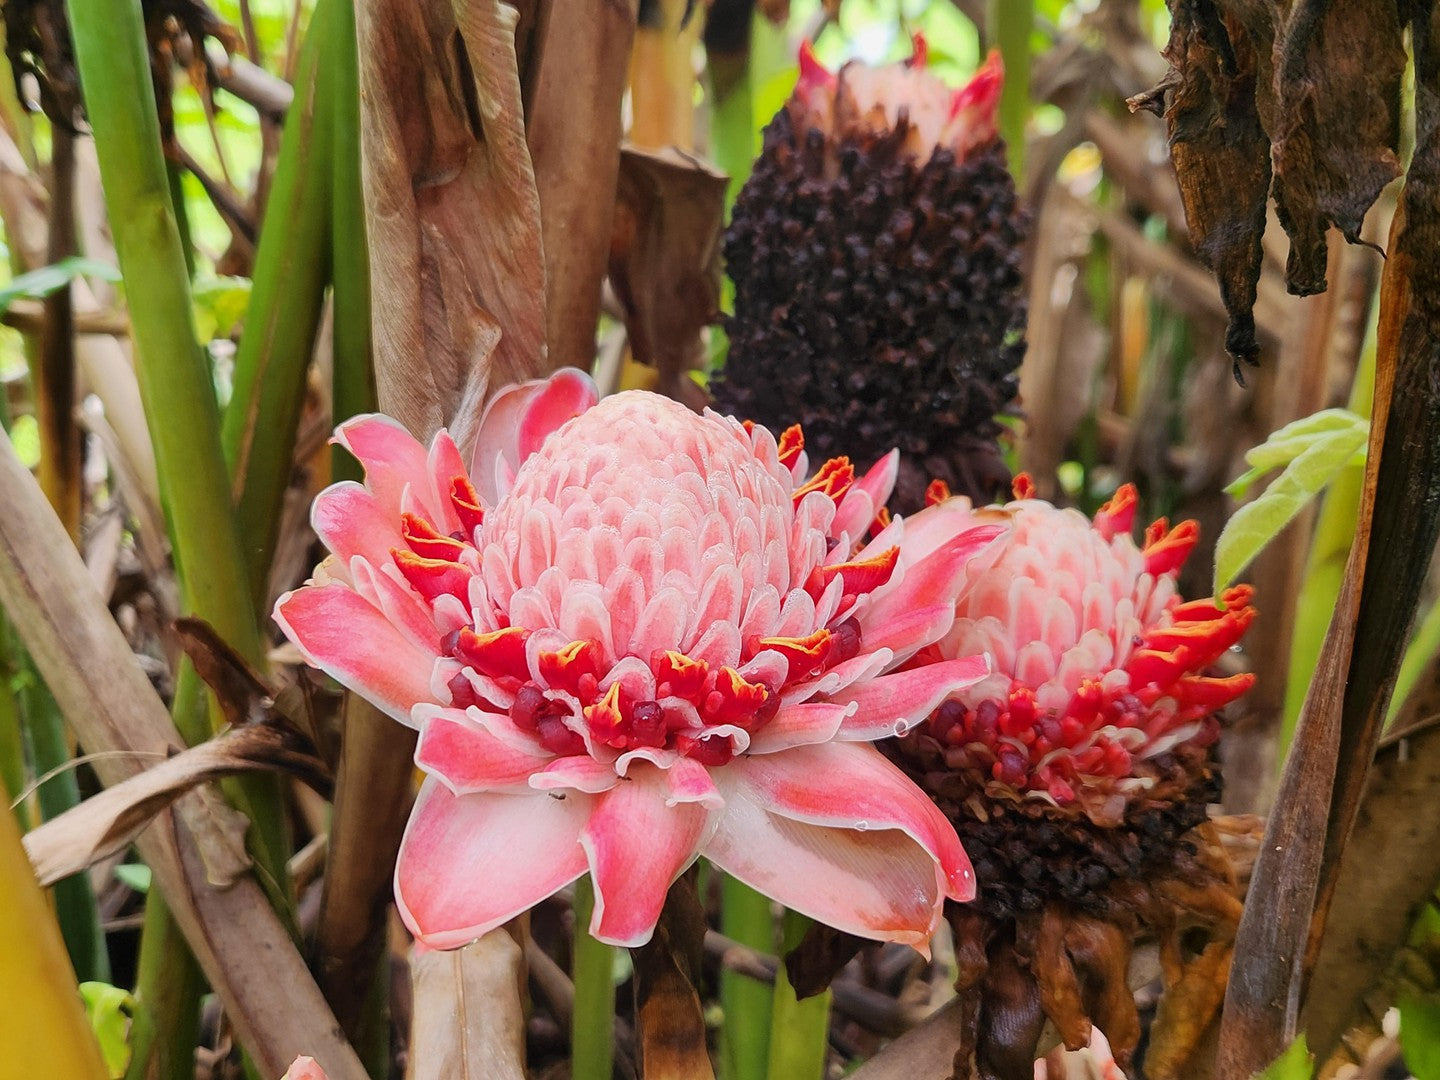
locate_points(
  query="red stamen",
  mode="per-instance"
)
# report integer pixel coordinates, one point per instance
(792, 442)
(936, 492)
(1117, 516)
(433, 578)
(677, 674)
(466, 501)
(860, 577)
(425, 540)
(734, 700)
(806, 656)
(566, 668)
(834, 479)
(498, 653)
(1022, 486)
(1166, 554)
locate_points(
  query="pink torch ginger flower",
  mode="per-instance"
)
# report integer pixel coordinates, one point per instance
(630, 635)
(1098, 665)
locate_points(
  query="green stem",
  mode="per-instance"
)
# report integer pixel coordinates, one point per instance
(286, 300)
(12, 743)
(353, 390)
(75, 907)
(592, 1027)
(747, 1003)
(167, 1013)
(1011, 24)
(1325, 566)
(178, 395)
(1421, 651)
(799, 1030)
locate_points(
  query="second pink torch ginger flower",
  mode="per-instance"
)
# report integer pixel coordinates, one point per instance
(630, 635)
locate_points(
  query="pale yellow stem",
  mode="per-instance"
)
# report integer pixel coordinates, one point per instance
(43, 1028)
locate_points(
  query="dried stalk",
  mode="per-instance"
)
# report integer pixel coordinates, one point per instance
(240, 943)
(574, 133)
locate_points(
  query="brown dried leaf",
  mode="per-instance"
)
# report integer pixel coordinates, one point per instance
(237, 938)
(665, 258)
(1186, 1011)
(106, 822)
(1221, 154)
(468, 1021)
(1337, 125)
(457, 271)
(575, 130)
(671, 1025)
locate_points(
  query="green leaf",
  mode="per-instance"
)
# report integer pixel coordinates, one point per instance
(136, 875)
(1256, 523)
(1289, 442)
(44, 281)
(1295, 1063)
(1420, 1033)
(108, 1009)
(220, 305)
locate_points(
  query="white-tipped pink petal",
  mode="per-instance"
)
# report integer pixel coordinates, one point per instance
(519, 418)
(801, 724)
(865, 497)
(349, 522)
(637, 845)
(467, 757)
(350, 640)
(892, 704)
(391, 456)
(304, 1068)
(852, 786)
(469, 863)
(862, 882)
(576, 771)
(893, 620)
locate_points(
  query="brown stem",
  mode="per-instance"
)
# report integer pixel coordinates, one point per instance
(373, 797)
(667, 1008)
(574, 134)
(55, 373)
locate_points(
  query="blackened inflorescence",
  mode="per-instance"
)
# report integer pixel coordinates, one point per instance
(879, 302)
(1028, 855)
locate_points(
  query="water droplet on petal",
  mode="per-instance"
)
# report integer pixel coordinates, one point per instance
(862, 825)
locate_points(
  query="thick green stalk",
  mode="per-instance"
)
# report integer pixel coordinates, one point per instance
(175, 381)
(286, 300)
(799, 1030)
(1325, 566)
(592, 1026)
(75, 907)
(745, 1045)
(1421, 651)
(179, 400)
(1011, 24)
(354, 368)
(12, 743)
(167, 1022)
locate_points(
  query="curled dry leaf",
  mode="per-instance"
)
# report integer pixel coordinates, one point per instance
(106, 822)
(451, 209)
(468, 1021)
(1337, 125)
(665, 259)
(671, 1024)
(1221, 152)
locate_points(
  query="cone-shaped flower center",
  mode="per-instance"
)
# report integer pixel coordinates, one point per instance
(1099, 666)
(648, 587)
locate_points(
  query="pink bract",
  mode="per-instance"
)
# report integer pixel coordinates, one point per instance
(1099, 667)
(630, 635)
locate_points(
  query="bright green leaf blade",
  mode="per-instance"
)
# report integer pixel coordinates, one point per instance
(135, 875)
(1296, 1063)
(1287, 443)
(108, 1008)
(45, 280)
(1257, 523)
(1420, 1033)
